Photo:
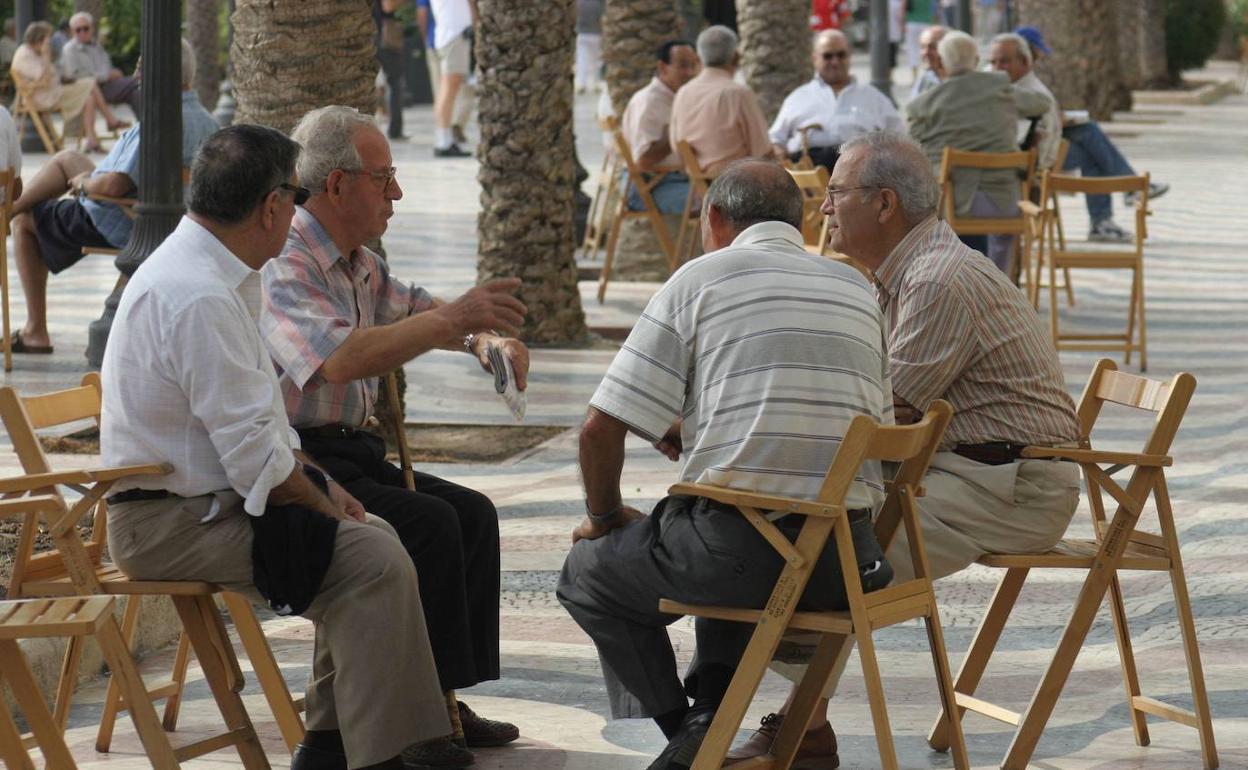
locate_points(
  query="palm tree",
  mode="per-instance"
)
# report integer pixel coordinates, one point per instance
(632, 31)
(1142, 43)
(1085, 68)
(291, 57)
(525, 50)
(204, 33)
(775, 48)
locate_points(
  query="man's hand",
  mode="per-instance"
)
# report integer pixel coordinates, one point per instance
(349, 507)
(671, 445)
(114, 73)
(904, 413)
(485, 307)
(515, 351)
(77, 181)
(779, 153)
(592, 530)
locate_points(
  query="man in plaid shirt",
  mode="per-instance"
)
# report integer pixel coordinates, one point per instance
(334, 320)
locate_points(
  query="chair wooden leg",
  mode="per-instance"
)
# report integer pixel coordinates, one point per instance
(977, 657)
(117, 653)
(665, 238)
(4, 305)
(197, 619)
(12, 751)
(452, 713)
(181, 661)
(830, 654)
(1126, 656)
(1131, 306)
(265, 667)
(1143, 331)
(609, 257)
(26, 692)
(940, 661)
(875, 696)
(112, 695)
(69, 678)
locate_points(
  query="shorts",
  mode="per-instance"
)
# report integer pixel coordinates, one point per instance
(455, 57)
(63, 228)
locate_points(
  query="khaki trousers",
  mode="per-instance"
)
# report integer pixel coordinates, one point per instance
(465, 100)
(372, 670)
(971, 509)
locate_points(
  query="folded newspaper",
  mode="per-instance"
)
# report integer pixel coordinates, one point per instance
(505, 381)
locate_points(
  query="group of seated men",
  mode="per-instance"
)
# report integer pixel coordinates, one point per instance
(952, 105)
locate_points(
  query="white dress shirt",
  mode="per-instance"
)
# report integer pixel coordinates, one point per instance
(856, 110)
(188, 381)
(646, 119)
(1049, 127)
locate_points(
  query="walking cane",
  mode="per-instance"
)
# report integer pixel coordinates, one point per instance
(405, 462)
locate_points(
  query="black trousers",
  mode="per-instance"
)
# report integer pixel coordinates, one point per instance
(392, 64)
(451, 533)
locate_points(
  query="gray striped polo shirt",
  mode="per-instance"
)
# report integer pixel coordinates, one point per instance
(768, 353)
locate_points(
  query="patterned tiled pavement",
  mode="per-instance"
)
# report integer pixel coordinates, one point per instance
(551, 685)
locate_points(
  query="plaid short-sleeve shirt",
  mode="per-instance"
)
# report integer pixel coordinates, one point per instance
(314, 297)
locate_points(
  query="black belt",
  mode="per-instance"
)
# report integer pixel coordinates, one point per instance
(991, 452)
(333, 430)
(135, 495)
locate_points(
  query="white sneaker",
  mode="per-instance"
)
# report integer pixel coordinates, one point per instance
(1155, 191)
(1106, 231)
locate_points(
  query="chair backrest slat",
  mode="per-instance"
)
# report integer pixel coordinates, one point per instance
(1103, 185)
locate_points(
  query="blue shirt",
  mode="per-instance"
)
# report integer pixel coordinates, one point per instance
(108, 218)
(429, 34)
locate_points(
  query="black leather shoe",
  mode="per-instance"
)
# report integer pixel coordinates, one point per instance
(454, 151)
(308, 758)
(684, 745)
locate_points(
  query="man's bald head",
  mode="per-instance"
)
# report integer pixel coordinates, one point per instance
(929, 39)
(746, 193)
(830, 56)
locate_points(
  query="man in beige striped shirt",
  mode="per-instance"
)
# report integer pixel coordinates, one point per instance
(960, 331)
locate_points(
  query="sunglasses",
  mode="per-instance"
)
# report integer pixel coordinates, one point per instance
(301, 193)
(82, 29)
(828, 55)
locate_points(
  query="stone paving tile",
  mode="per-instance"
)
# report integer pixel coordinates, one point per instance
(552, 687)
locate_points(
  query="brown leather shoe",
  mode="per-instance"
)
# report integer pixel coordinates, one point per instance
(817, 750)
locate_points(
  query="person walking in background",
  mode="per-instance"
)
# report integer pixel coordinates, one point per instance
(588, 44)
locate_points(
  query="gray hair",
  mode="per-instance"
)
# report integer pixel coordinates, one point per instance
(958, 52)
(894, 161)
(188, 64)
(716, 46)
(82, 16)
(751, 191)
(327, 135)
(1020, 43)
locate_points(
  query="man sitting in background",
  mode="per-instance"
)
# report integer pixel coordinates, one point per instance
(933, 72)
(50, 232)
(975, 111)
(84, 57)
(717, 116)
(645, 127)
(1090, 150)
(833, 102)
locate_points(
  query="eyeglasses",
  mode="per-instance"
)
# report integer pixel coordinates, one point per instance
(835, 191)
(301, 193)
(829, 55)
(82, 29)
(385, 177)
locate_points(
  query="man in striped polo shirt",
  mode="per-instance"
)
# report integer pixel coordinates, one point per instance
(751, 362)
(959, 330)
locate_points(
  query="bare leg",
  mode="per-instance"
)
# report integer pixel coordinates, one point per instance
(444, 107)
(34, 276)
(52, 181)
(101, 104)
(88, 124)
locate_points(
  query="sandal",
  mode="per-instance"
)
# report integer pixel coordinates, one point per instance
(18, 345)
(119, 124)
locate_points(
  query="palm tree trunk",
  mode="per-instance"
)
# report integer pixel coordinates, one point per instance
(1085, 67)
(291, 57)
(204, 34)
(775, 48)
(632, 31)
(527, 174)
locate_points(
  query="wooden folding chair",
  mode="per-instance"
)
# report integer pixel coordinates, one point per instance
(399, 426)
(690, 218)
(1119, 545)
(1022, 162)
(1056, 257)
(606, 187)
(650, 212)
(8, 183)
(76, 568)
(23, 105)
(77, 618)
(813, 183)
(865, 440)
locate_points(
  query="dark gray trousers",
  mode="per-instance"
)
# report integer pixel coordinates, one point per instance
(128, 90)
(696, 551)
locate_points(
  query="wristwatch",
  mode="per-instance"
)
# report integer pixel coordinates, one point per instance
(471, 339)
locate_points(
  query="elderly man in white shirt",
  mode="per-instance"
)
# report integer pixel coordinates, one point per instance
(188, 381)
(84, 57)
(833, 103)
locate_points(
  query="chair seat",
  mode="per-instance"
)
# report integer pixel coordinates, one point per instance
(37, 618)
(114, 582)
(989, 226)
(1080, 554)
(1094, 259)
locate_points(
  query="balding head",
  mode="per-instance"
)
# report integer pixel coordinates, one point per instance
(746, 193)
(929, 39)
(830, 55)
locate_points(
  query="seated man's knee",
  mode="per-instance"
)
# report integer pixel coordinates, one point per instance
(380, 523)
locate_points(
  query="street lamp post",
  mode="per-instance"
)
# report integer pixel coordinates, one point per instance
(160, 156)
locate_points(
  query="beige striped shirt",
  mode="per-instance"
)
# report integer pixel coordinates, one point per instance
(959, 330)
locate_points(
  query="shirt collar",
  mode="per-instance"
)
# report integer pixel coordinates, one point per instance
(315, 238)
(764, 232)
(660, 86)
(234, 273)
(894, 267)
(853, 81)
